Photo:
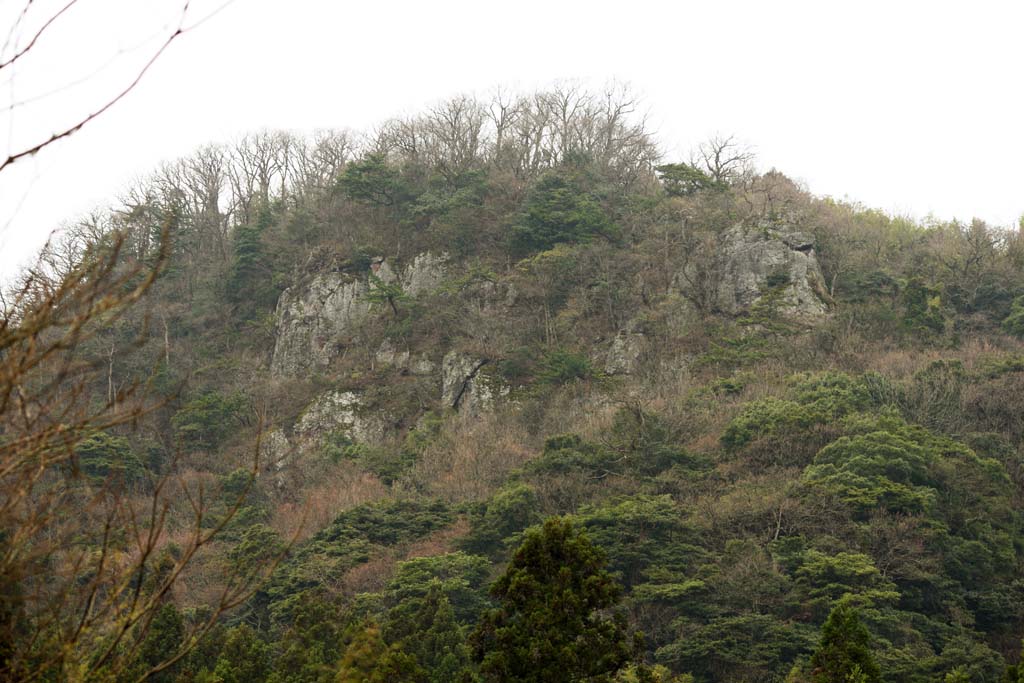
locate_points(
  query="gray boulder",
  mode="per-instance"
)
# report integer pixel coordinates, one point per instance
(624, 355)
(315, 319)
(755, 260)
(340, 411)
(466, 386)
(425, 274)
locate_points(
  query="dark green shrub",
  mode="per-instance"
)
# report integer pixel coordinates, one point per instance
(552, 622)
(102, 455)
(684, 180)
(1014, 323)
(561, 367)
(922, 307)
(373, 180)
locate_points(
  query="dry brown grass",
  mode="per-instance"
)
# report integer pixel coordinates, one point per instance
(335, 489)
(472, 457)
(373, 576)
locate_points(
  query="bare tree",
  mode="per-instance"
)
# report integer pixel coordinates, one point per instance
(85, 564)
(12, 54)
(723, 158)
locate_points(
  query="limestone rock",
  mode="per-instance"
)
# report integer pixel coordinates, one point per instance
(313, 320)
(388, 354)
(624, 354)
(466, 386)
(753, 260)
(275, 450)
(421, 365)
(340, 410)
(425, 274)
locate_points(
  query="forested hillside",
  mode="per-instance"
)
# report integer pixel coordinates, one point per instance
(500, 393)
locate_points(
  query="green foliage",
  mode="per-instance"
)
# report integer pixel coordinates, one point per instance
(436, 639)
(923, 308)
(817, 399)
(389, 293)
(206, 421)
(734, 526)
(374, 181)
(646, 445)
(310, 647)
(934, 396)
(874, 470)
(244, 658)
(368, 659)
(550, 626)
(249, 286)
(559, 208)
(354, 537)
(741, 647)
(828, 578)
(258, 546)
(102, 455)
(767, 417)
(510, 510)
(561, 367)
(637, 448)
(164, 639)
(1014, 322)
(642, 534)
(460, 578)
(844, 653)
(684, 180)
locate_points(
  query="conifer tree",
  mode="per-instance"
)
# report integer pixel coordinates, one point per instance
(549, 628)
(844, 655)
(249, 286)
(438, 642)
(368, 659)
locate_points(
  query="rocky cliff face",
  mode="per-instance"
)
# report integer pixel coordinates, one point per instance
(344, 411)
(315, 320)
(466, 386)
(759, 259)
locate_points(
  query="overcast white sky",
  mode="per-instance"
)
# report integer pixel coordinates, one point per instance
(911, 107)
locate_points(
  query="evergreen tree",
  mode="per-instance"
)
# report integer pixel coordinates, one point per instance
(249, 287)
(437, 641)
(164, 638)
(685, 180)
(560, 209)
(244, 659)
(549, 628)
(844, 655)
(368, 659)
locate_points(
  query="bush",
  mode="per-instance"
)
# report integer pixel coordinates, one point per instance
(923, 313)
(562, 367)
(102, 455)
(1014, 323)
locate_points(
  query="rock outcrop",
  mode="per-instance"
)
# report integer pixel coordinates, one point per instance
(275, 450)
(340, 411)
(318, 318)
(425, 274)
(315, 319)
(624, 355)
(755, 260)
(466, 386)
